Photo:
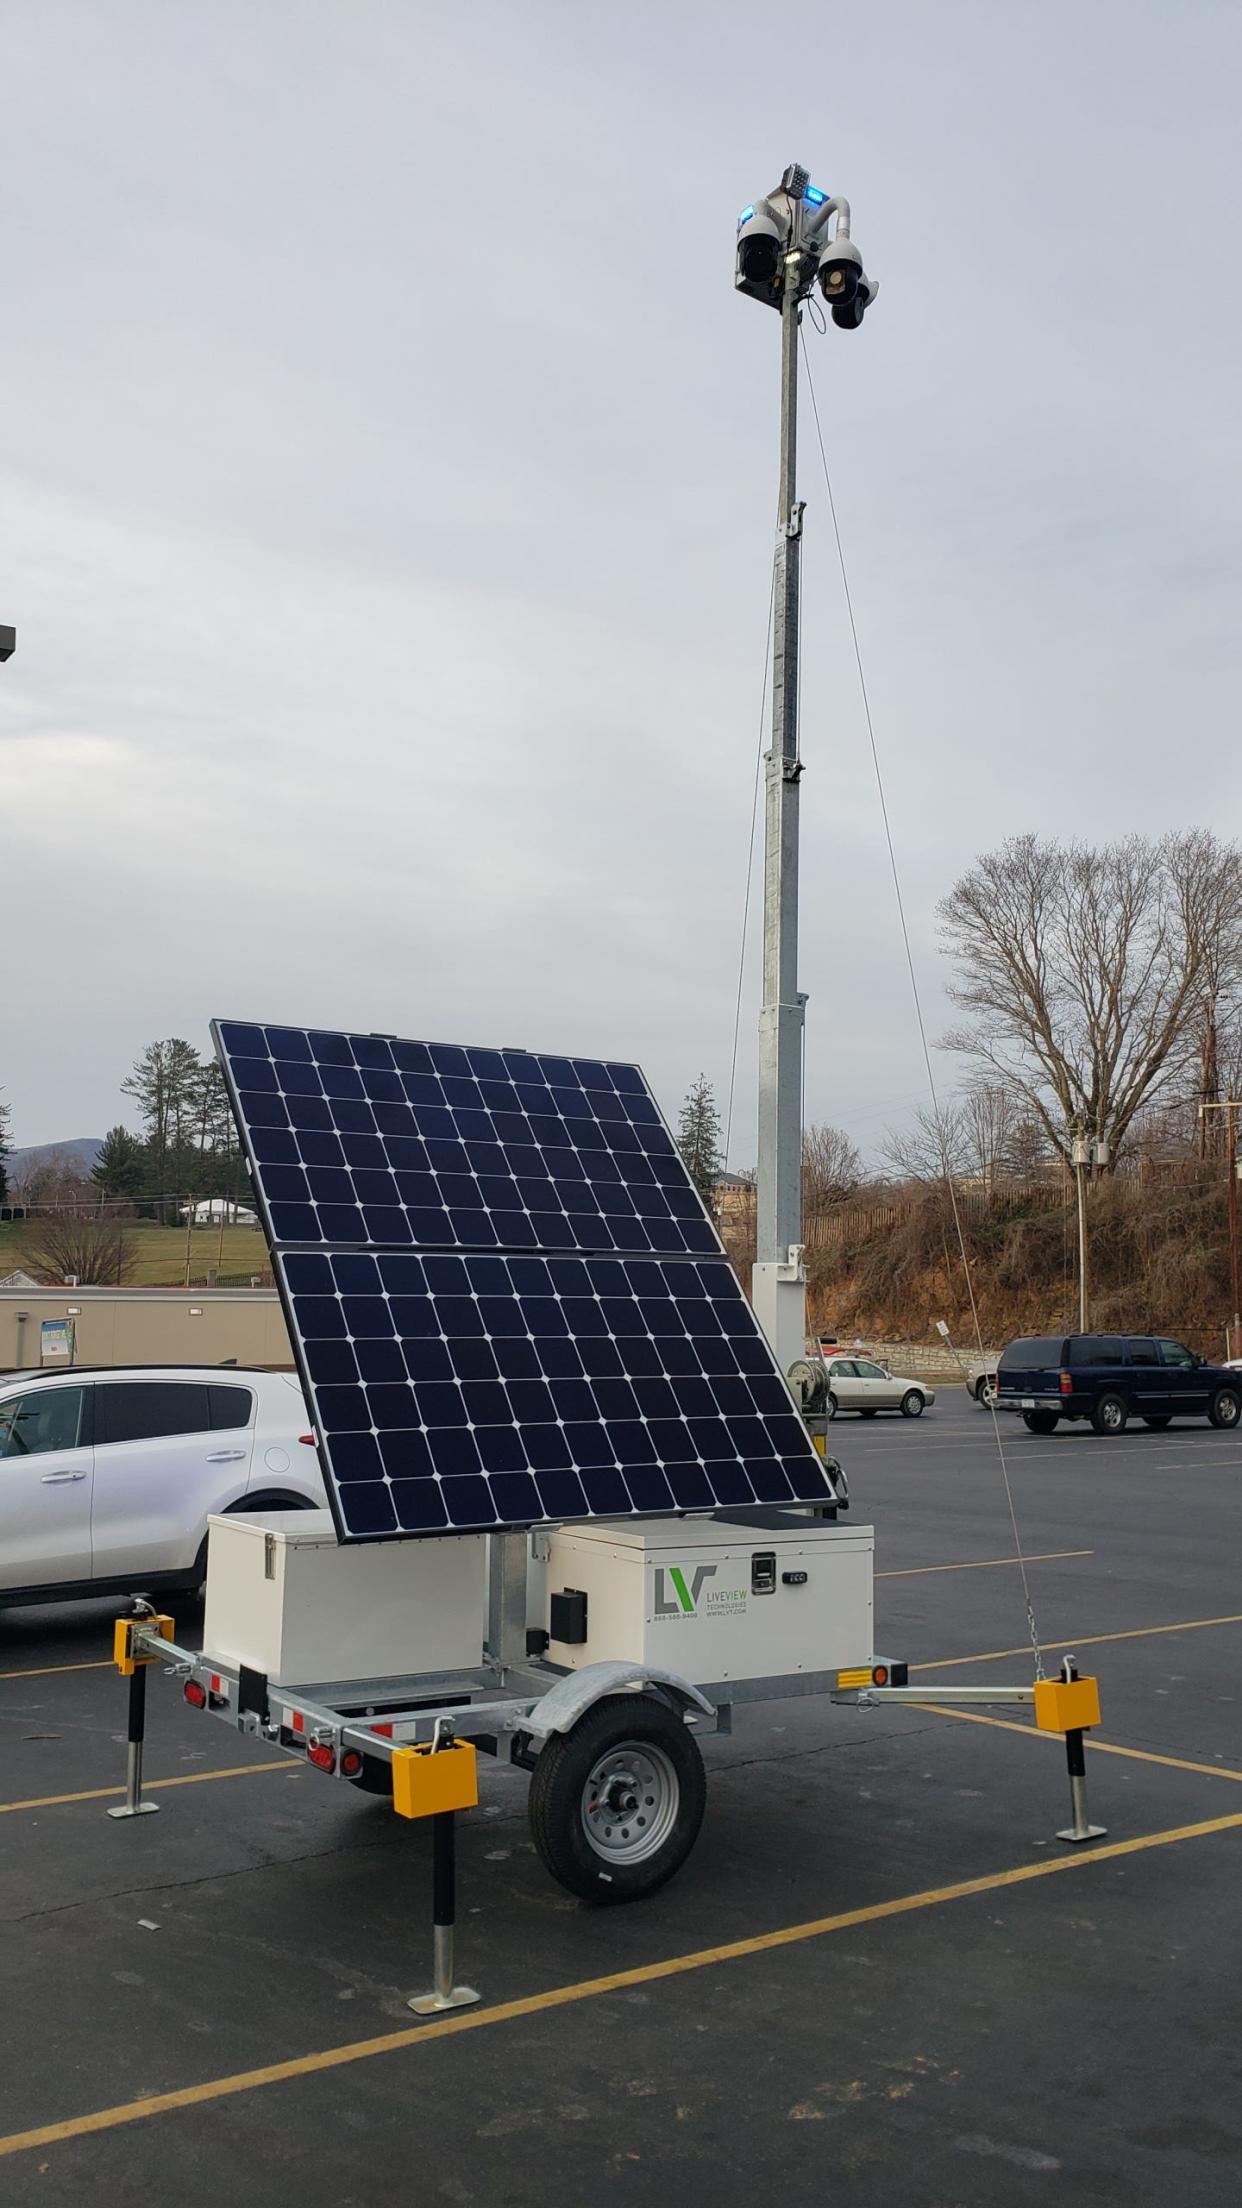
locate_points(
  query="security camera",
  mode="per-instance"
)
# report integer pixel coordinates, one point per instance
(848, 313)
(762, 236)
(840, 270)
(8, 641)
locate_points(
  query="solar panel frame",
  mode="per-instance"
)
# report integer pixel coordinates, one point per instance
(487, 1388)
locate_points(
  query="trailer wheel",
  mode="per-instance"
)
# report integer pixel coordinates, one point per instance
(616, 1804)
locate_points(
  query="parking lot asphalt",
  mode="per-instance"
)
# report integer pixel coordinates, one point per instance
(879, 1978)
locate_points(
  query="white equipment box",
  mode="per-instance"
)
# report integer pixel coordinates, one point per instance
(284, 1597)
(712, 1601)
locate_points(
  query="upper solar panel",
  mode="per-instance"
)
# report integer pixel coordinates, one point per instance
(372, 1142)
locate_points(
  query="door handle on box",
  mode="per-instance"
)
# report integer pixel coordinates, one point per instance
(226, 1456)
(58, 1479)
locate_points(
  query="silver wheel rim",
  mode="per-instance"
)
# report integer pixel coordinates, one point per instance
(1227, 1410)
(987, 1393)
(913, 1405)
(1111, 1415)
(630, 1802)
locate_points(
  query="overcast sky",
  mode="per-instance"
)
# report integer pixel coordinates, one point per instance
(387, 472)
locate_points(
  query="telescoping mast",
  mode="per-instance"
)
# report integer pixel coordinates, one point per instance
(787, 243)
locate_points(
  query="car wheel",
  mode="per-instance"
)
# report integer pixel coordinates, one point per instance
(616, 1803)
(912, 1404)
(830, 1409)
(1224, 1407)
(1157, 1425)
(1110, 1414)
(1040, 1422)
(985, 1392)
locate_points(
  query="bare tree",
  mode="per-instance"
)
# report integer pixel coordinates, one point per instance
(930, 1148)
(1084, 970)
(831, 1166)
(57, 1177)
(97, 1252)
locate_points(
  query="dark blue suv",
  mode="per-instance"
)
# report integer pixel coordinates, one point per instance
(1109, 1378)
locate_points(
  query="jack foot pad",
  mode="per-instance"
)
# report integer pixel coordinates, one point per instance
(431, 2004)
(1087, 1832)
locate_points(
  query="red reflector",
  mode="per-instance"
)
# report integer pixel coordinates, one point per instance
(299, 1722)
(195, 1694)
(215, 1682)
(351, 1763)
(321, 1756)
(309, 1439)
(385, 1729)
(1067, 1385)
(879, 1676)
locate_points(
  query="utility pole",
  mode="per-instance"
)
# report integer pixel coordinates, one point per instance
(1229, 1105)
(1078, 1152)
(1085, 1150)
(783, 247)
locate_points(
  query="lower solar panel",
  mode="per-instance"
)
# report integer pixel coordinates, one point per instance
(456, 1392)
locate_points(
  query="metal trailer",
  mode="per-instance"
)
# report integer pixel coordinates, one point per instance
(617, 1780)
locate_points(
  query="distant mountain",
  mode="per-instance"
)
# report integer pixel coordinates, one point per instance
(83, 1149)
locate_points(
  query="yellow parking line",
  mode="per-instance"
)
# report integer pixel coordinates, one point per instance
(1082, 1640)
(984, 1564)
(45, 1671)
(1101, 1747)
(190, 1778)
(587, 1989)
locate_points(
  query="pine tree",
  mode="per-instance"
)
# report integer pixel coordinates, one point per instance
(698, 1139)
(121, 1167)
(165, 1083)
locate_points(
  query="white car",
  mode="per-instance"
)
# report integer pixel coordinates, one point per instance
(981, 1378)
(107, 1474)
(858, 1384)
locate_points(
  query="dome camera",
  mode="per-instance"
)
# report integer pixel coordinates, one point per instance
(840, 271)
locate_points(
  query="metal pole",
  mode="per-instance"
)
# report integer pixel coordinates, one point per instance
(444, 1994)
(1080, 1174)
(133, 1805)
(1234, 1222)
(779, 1282)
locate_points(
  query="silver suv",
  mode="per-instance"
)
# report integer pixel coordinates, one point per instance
(107, 1476)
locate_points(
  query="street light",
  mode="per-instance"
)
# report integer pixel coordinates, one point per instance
(1085, 1149)
(1229, 1105)
(787, 241)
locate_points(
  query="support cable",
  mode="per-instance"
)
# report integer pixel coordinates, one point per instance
(918, 1006)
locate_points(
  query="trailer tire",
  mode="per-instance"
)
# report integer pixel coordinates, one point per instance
(638, 1752)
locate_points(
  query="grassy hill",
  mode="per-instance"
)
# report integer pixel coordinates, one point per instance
(162, 1253)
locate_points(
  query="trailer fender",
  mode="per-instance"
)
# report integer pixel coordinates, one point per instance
(559, 1710)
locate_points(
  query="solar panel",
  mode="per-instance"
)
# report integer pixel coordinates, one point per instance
(371, 1140)
(566, 1341)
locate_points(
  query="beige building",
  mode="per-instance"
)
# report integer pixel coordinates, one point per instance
(141, 1326)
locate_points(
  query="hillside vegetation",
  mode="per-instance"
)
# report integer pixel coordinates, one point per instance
(1158, 1258)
